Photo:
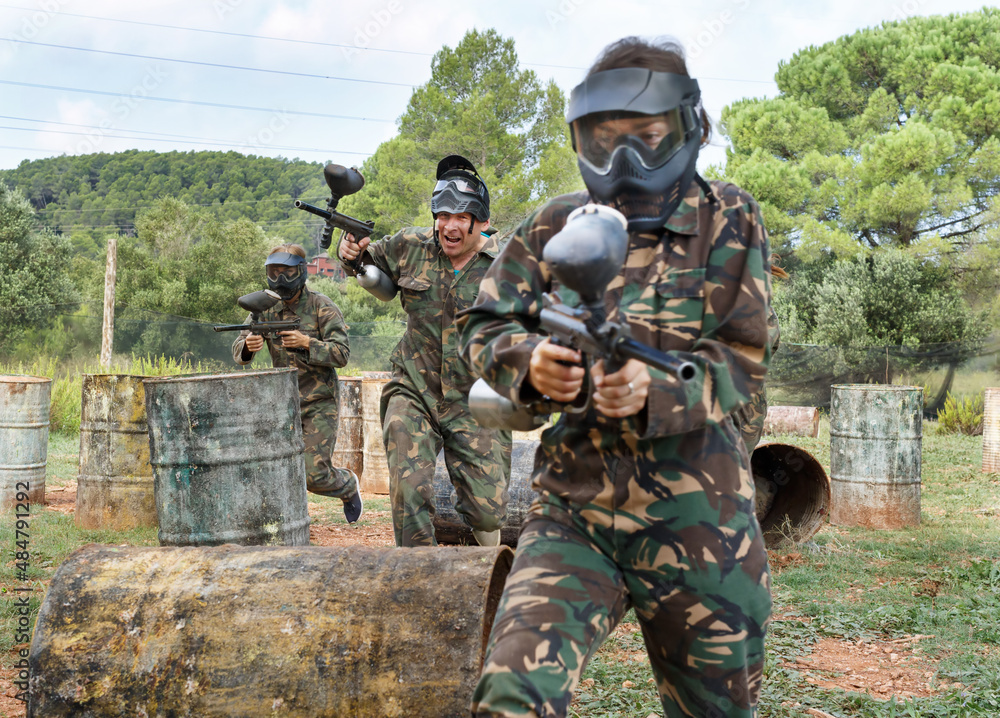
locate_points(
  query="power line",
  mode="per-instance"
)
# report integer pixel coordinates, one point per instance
(192, 102)
(210, 143)
(214, 64)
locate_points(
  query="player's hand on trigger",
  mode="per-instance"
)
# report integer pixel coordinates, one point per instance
(555, 371)
(350, 249)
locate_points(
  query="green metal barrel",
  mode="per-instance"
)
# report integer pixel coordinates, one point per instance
(24, 440)
(298, 632)
(226, 452)
(115, 484)
(875, 444)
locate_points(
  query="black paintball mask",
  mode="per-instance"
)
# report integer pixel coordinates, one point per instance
(637, 133)
(459, 189)
(282, 281)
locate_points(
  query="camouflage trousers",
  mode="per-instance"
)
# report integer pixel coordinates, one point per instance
(478, 462)
(750, 419)
(319, 431)
(576, 572)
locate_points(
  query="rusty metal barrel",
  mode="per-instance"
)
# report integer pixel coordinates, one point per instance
(375, 478)
(24, 439)
(115, 484)
(792, 492)
(292, 631)
(226, 452)
(991, 430)
(875, 445)
(794, 420)
(449, 527)
(348, 453)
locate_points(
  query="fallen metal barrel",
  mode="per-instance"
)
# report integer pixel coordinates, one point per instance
(115, 484)
(991, 430)
(794, 420)
(24, 440)
(792, 493)
(226, 451)
(449, 527)
(875, 443)
(348, 453)
(292, 631)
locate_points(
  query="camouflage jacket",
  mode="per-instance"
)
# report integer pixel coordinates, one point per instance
(322, 321)
(428, 359)
(701, 290)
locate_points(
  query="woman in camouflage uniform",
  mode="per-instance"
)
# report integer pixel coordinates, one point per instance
(317, 348)
(646, 499)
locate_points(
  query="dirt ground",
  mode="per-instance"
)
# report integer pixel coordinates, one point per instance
(882, 669)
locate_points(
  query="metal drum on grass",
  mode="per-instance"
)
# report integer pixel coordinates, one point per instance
(115, 484)
(24, 439)
(226, 451)
(991, 430)
(792, 493)
(349, 451)
(449, 527)
(875, 443)
(375, 478)
(300, 632)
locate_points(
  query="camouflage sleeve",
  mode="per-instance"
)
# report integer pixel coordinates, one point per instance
(499, 332)
(733, 349)
(240, 344)
(331, 348)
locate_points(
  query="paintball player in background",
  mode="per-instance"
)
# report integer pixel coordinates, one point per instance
(316, 350)
(425, 405)
(645, 499)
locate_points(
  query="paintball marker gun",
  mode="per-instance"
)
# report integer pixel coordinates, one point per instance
(257, 303)
(584, 256)
(345, 181)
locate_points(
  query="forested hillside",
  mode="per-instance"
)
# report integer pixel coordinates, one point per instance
(87, 196)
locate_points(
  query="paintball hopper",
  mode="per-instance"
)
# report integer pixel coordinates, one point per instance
(342, 181)
(494, 411)
(258, 302)
(589, 251)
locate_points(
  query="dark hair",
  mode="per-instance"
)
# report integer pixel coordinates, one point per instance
(663, 54)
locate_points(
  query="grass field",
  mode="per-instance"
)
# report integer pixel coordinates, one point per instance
(866, 623)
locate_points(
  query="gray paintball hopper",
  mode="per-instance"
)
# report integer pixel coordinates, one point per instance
(589, 251)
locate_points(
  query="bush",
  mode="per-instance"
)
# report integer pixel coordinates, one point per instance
(963, 416)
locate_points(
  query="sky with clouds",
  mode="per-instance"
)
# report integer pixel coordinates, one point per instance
(326, 80)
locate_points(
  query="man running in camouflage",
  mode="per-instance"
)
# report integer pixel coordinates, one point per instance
(317, 348)
(645, 500)
(425, 405)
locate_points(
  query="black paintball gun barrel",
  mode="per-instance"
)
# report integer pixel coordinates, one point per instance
(344, 181)
(584, 256)
(257, 303)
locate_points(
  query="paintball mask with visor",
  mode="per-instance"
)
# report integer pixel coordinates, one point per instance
(460, 189)
(286, 274)
(636, 133)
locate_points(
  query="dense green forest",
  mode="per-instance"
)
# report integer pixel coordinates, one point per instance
(87, 196)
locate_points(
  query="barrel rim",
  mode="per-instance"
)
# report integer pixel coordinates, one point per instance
(117, 376)
(876, 387)
(24, 379)
(223, 375)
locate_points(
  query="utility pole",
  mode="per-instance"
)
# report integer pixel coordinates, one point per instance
(108, 328)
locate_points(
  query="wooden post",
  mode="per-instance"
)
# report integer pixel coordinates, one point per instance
(108, 328)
